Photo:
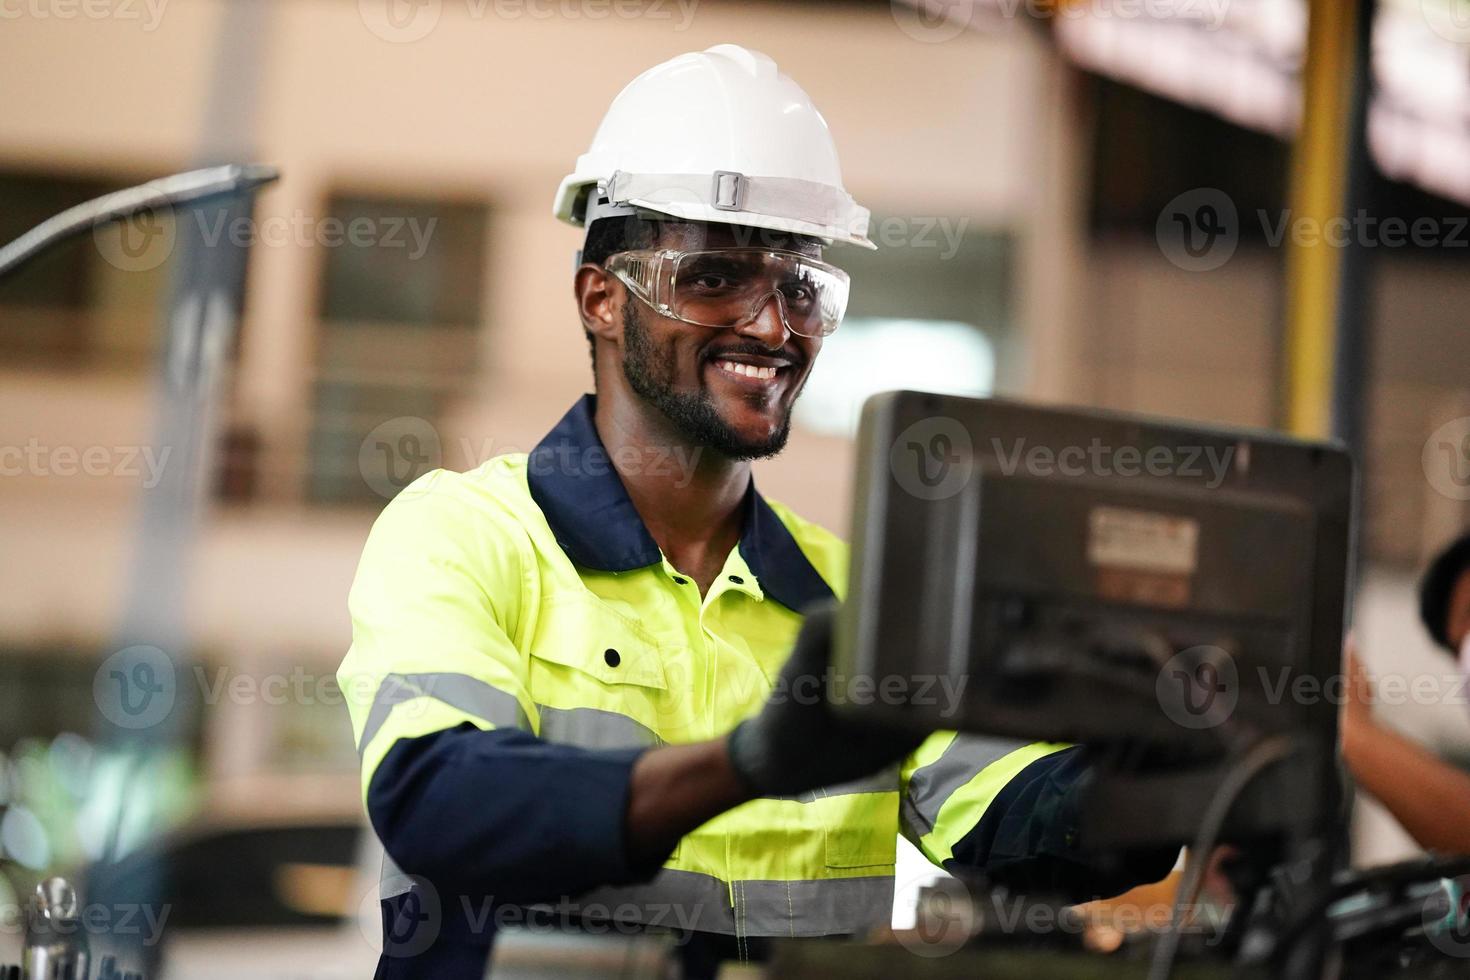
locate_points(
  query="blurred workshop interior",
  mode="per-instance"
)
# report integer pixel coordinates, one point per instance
(1018, 158)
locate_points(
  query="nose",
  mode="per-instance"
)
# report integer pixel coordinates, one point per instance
(769, 323)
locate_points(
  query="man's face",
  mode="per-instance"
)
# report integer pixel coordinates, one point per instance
(1457, 616)
(701, 378)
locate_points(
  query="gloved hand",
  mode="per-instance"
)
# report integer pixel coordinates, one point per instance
(795, 743)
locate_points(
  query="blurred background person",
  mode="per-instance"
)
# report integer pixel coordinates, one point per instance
(1428, 796)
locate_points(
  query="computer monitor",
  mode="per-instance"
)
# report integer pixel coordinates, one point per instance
(1161, 589)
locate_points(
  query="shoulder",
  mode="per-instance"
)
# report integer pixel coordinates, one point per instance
(825, 550)
(477, 511)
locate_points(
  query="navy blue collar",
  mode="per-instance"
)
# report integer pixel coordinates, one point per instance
(574, 483)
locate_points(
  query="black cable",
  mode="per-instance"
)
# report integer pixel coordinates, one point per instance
(1256, 760)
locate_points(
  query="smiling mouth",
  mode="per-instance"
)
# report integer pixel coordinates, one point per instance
(748, 372)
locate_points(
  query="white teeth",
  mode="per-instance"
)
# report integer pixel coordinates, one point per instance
(748, 370)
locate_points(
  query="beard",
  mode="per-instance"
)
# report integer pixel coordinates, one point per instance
(650, 373)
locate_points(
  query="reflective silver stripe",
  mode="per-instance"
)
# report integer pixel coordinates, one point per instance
(677, 899)
(932, 785)
(468, 694)
(593, 728)
(392, 882)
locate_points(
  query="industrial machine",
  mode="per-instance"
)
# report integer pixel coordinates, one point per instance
(1170, 596)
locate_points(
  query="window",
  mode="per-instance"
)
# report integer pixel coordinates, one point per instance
(930, 309)
(401, 307)
(85, 303)
(872, 354)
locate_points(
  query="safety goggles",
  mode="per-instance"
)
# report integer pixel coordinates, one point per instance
(728, 287)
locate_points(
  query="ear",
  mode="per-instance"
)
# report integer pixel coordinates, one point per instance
(600, 298)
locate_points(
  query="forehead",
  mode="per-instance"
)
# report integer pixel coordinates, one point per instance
(693, 235)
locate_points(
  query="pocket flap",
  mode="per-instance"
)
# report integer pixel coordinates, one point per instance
(584, 634)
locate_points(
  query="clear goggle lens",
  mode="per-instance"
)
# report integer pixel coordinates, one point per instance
(729, 287)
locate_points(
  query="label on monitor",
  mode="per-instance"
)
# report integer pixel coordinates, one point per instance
(1149, 542)
(1142, 557)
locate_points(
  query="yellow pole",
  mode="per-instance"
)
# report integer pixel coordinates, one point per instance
(1318, 180)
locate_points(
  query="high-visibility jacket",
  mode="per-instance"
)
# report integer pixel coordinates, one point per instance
(518, 638)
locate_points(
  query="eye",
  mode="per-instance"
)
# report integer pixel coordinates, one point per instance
(798, 292)
(711, 281)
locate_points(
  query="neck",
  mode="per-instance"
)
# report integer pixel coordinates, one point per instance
(688, 495)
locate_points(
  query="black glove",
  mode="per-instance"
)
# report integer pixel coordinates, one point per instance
(795, 743)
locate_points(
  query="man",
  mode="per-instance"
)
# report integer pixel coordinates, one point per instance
(551, 651)
(1428, 797)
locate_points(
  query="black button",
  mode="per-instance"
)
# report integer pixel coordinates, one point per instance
(680, 580)
(737, 579)
(611, 656)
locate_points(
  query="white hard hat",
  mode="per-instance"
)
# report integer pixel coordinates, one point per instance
(716, 135)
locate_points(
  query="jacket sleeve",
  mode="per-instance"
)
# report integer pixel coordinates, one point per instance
(456, 783)
(1011, 811)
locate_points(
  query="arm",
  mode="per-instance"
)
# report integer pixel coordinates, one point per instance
(455, 781)
(507, 813)
(1428, 797)
(1011, 810)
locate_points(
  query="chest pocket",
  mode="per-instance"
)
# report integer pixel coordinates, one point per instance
(596, 676)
